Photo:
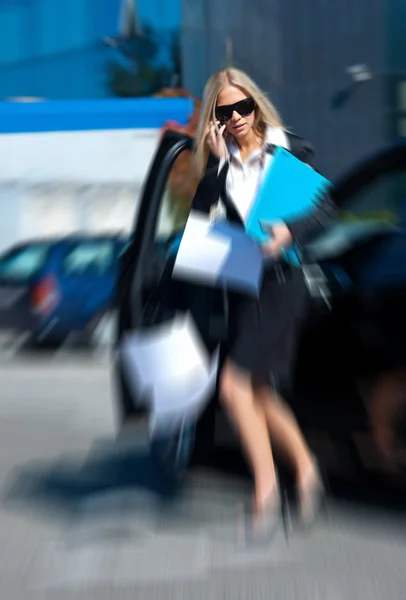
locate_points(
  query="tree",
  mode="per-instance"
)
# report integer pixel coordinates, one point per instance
(135, 69)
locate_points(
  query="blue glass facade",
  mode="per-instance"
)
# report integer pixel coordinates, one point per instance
(35, 29)
(54, 48)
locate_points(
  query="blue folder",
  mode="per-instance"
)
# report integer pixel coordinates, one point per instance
(289, 191)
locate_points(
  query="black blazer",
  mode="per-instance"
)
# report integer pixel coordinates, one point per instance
(212, 187)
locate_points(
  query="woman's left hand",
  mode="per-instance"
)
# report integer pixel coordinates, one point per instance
(281, 238)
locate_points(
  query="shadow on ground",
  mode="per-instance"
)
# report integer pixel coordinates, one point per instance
(119, 492)
(110, 468)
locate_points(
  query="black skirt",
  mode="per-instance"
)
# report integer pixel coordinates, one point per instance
(263, 332)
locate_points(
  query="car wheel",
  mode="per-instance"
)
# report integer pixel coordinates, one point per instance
(35, 343)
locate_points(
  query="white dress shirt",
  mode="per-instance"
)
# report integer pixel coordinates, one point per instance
(244, 179)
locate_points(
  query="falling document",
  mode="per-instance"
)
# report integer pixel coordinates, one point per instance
(219, 254)
(170, 366)
(184, 400)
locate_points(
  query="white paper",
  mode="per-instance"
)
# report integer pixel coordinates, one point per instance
(159, 355)
(219, 254)
(183, 401)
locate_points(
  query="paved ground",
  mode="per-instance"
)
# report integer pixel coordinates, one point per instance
(85, 516)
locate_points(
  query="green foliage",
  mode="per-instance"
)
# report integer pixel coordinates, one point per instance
(135, 70)
(127, 83)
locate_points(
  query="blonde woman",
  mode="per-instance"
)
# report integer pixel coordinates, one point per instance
(238, 131)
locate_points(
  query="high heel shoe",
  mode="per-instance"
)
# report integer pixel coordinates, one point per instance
(261, 525)
(310, 497)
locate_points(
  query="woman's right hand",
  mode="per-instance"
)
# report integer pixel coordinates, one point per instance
(215, 140)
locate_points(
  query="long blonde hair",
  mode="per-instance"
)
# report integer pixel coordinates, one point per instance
(265, 112)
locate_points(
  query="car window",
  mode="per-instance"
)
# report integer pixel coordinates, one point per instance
(122, 247)
(89, 258)
(179, 192)
(383, 201)
(24, 263)
(376, 208)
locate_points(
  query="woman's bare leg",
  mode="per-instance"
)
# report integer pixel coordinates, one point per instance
(290, 442)
(285, 433)
(250, 423)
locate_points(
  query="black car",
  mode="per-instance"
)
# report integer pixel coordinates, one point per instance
(352, 358)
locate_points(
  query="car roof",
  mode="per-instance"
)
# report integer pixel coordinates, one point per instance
(75, 238)
(54, 241)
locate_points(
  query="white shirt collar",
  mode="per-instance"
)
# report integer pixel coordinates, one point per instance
(277, 137)
(274, 135)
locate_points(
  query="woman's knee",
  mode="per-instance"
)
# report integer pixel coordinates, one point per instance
(227, 389)
(270, 400)
(231, 382)
(265, 395)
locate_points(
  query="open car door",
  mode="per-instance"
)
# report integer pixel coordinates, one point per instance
(141, 266)
(147, 295)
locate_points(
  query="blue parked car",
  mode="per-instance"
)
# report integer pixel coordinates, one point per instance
(53, 287)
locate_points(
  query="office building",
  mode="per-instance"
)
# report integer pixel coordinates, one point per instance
(301, 53)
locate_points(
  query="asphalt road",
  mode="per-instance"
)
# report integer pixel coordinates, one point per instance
(86, 515)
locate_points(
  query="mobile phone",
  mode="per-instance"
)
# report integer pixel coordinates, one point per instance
(266, 227)
(224, 132)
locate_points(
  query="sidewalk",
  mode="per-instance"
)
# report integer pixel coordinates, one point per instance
(106, 538)
(83, 516)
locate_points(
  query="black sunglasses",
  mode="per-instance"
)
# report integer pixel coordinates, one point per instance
(243, 108)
